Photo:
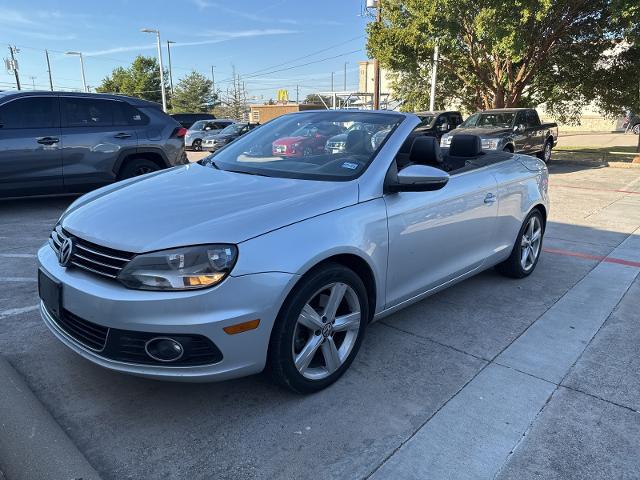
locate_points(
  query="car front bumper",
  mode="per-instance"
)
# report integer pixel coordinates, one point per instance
(200, 312)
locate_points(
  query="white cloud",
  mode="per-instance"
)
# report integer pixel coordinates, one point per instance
(14, 17)
(219, 37)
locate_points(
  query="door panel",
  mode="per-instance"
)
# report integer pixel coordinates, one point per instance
(522, 141)
(30, 152)
(437, 236)
(95, 132)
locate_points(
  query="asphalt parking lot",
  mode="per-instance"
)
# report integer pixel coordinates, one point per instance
(492, 378)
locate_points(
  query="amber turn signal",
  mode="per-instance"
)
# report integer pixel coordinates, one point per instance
(242, 327)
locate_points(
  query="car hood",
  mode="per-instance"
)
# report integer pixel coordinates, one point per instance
(195, 204)
(482, 132)
(289, 140)
(216, 136)
(341, 137)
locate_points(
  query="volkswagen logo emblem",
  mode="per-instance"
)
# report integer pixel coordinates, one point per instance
(66, 252)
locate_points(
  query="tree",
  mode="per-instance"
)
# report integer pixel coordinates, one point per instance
(497, 54)
(315, 98)
(141, 80)
(234, 102)
(193, 93)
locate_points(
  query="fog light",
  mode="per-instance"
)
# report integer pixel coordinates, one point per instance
(164, 349)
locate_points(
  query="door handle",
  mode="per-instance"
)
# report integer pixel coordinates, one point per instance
(122, 135)
(47, 140)
(490, 198)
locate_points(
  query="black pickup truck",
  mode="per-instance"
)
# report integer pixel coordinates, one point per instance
(516, 130)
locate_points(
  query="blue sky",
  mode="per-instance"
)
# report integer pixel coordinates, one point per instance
(261, 38)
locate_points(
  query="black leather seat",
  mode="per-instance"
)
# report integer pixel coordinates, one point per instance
(356, 142)
(463, 147)
(426, 151)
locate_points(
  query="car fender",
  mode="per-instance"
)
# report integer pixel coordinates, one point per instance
(359, 230)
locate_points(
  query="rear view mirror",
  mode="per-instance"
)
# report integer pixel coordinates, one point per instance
(418, 178)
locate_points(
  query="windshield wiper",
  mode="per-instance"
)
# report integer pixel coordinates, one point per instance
(248, 173)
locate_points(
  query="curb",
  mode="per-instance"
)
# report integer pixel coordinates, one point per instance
(32, 444)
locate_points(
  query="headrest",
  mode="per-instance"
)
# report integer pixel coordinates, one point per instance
(465, 146)
(425, 151)
(355, 140)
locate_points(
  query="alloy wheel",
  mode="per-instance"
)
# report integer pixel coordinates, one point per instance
(326, 331)
(547, 152)
(141, 170)
(197, 145)
(530, 244)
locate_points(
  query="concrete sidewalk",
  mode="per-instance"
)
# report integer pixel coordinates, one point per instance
(533, 383)
(32, 444)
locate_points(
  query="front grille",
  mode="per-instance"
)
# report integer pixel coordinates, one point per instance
(88, 334)
(129, 345)
(97, 259)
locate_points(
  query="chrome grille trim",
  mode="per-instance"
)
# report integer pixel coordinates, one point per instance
(103, 261)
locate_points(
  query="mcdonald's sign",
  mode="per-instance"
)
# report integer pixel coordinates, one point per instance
(283, 95)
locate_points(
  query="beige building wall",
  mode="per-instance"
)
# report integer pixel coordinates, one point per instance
(365, 84)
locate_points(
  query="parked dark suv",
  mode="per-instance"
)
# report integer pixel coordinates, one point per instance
(61, 142)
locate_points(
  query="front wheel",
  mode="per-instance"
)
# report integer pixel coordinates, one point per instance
(526, 251)
(197, 145)
(319, 329)
(636, 129)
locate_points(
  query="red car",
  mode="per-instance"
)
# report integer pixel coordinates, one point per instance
(307, 140)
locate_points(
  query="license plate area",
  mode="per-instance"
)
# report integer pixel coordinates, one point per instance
(50, 292)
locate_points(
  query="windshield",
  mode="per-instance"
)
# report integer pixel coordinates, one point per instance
(199, 125)
(500, 120)
(295, 146)
(426, 119)
(233, 128)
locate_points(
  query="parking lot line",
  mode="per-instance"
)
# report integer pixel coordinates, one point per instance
(575, 187)
(17, 255)
(18, 311)
(587, 256)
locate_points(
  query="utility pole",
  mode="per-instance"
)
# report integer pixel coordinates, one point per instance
(213, 79)
(332, 81)
(46, 52)
(14, 64)
(169, 42)
(298, 94)
(434, 72)
(33, 81)
(345, 76)
(376, 66)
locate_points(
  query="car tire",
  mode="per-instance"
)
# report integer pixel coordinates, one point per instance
(137, 167)
(197, 145)
(545, 154)
(517, 266)
(508, 149)
(312, 344)
(636, 129)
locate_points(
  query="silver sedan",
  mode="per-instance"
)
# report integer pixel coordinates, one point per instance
(251, 259)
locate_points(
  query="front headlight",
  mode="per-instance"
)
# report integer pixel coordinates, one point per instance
(445, 141)
(490, 143)
(186, 268)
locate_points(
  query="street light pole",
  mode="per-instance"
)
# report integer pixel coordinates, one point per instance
(169, 42)
(434, 72)
(84, 81)
(377, 4)
(162, 86)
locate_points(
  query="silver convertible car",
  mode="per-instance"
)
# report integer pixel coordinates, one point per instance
(250, 260)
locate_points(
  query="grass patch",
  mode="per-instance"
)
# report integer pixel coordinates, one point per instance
(596, 154)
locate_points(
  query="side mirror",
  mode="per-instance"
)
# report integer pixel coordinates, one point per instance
(418, 178)
(444, 127)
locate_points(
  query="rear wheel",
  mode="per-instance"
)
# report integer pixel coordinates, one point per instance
(319, 329)
(136, 167)
(526, 251)
(545, 154)
(197, 145)
(636, 129)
